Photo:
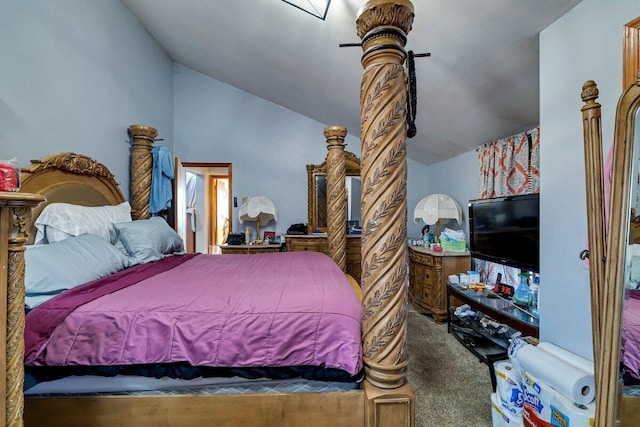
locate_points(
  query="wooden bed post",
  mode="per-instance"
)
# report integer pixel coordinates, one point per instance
(383, 25)
(15, 215)
(592, 128)
(336, 195)
(141, 169)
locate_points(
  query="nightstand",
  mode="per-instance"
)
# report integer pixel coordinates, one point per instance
(250, 249)
(428, 275)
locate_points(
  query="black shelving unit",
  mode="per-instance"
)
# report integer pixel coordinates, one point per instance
(487, 344)
(487, 347)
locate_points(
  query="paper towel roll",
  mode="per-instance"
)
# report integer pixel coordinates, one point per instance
(567, 356)
(564, 412)
(576, 384)
(508, 387)
(501, 418)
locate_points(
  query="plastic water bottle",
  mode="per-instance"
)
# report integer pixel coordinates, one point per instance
(521, 296)
(534, 289)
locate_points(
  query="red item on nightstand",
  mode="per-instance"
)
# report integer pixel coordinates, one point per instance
(8, 177)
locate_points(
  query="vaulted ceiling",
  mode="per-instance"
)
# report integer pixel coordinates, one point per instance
(480, 83)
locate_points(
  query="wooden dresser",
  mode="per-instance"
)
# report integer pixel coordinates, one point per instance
(428, 274)
(318, 243)
(250, 249)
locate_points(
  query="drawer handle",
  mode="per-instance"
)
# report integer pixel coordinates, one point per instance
(426, 275)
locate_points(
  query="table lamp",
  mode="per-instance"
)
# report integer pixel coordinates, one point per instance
(259, 209)
(436, 207)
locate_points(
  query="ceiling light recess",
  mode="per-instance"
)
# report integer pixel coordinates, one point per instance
(317, 8)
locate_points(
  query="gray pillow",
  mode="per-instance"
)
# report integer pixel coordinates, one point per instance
(149, 239)
(55, 267)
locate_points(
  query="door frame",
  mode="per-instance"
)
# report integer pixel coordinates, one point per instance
(212, 169)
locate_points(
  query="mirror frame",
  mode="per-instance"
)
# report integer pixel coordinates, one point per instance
(612, 407)
(611, 293)
(352, 168)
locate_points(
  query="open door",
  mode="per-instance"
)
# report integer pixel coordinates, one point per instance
(180, 205)
(202, 204)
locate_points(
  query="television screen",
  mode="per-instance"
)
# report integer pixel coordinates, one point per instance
(505, 230)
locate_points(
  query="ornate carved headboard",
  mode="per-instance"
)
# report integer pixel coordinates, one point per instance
(69, 178)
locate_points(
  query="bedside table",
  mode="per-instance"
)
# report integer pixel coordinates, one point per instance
(250, 249)
(428, 276)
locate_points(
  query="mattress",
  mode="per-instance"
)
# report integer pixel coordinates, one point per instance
(136, 385)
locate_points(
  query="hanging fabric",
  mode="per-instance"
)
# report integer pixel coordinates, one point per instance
(412, 101)
(510, 166)
(161, 177)
(192, 180)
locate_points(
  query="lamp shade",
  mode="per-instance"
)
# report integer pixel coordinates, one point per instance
(436, 207)
(258, 208)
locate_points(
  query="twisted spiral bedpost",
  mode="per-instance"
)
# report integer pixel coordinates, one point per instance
(382, 25)
(141, 169)
(336, 195)
(15, 214)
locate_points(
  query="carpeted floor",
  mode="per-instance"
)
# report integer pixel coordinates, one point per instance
(452, 388)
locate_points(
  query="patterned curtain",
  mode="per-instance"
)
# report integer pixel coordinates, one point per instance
(508, 167)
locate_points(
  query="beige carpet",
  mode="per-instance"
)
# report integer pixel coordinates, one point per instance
(452, 388)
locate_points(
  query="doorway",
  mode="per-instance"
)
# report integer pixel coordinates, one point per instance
(203, 204)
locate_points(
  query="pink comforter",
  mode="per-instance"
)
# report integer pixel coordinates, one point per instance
(630, 340)
(267, 310)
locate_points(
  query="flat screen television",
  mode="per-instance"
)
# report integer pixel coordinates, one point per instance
(505, 230)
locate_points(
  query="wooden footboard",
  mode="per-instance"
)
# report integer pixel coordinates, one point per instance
(247, 410)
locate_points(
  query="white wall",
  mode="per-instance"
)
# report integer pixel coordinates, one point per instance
(584, 44)
(268, 145)
(458, 178)
(75, 75)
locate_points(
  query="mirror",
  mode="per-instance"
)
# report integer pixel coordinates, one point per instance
(616, 299)
(317, 192)
(614, 265)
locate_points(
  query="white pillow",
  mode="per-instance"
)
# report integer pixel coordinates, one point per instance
(58, 221)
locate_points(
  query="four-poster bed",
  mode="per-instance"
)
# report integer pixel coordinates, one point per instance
(385, 397)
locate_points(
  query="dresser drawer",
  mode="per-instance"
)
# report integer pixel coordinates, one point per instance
(429, 277)
(421, 258)
(307, 244)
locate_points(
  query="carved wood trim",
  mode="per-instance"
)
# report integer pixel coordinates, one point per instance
(336, 195)
(630, 52)
(141, 169)
(382, 25)
(15, 215)
(352, 168)
(78, 164)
